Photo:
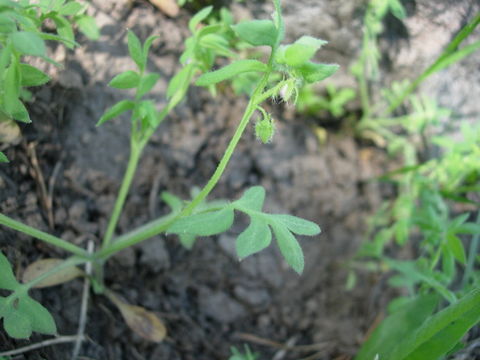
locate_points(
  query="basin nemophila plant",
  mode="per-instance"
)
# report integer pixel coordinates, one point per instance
(189, 219)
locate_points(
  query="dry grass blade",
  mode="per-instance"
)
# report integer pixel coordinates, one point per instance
(40, 267)
(145, 323)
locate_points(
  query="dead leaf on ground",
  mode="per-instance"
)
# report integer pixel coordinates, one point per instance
(168, 7)
(145, 323)
(40, 267)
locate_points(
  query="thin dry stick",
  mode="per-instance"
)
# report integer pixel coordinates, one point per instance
(84, 307)
(39, 345)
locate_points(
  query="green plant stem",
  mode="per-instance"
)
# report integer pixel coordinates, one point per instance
(40, 235)
(162, 224)
(135, 152)
(472, 255)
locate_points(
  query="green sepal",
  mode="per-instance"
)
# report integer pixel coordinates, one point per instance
(229, 71)
(257, 32)
(115, 110)
(126, 80)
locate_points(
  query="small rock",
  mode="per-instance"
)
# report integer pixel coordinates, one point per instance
(220, 306)
(254, 297)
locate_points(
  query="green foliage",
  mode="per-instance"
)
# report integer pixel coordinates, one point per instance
(189, 219)
(21, 314)
(21, 35)
(309, 102)
(238, 355)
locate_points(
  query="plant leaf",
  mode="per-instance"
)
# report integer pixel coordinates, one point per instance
(187, 240)
(70, 9)
(3, 159)
(455, 245)
(289, 247)
(7, 280)
(441, 332)
(87, 25)
(126, 80)
(40, 267)
(199, 17)
(257, 32)
(204, 224)
(28, 43)
(17, 324)
(252, 198)
(116, 110)
(31, 76)
(313, 72)
(40, 318)
(147, 82)
(302, 50)
(397, 325)
(229, 71)
(135, 49)
(297, 225)
(256, 237)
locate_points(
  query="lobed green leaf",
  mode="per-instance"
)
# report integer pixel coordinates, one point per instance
(252, 198)
(17, 324)
(40, 319)
(229, 71)
(256, 237)
(289, 247)
(257, 32)
(297, 225)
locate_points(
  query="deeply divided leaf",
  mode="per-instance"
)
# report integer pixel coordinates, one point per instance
(252, 198)
(289, 247)
(297, 225)
(204, 224)
(256, 237)
(229, 71)
(257, 32)
(40, 319)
